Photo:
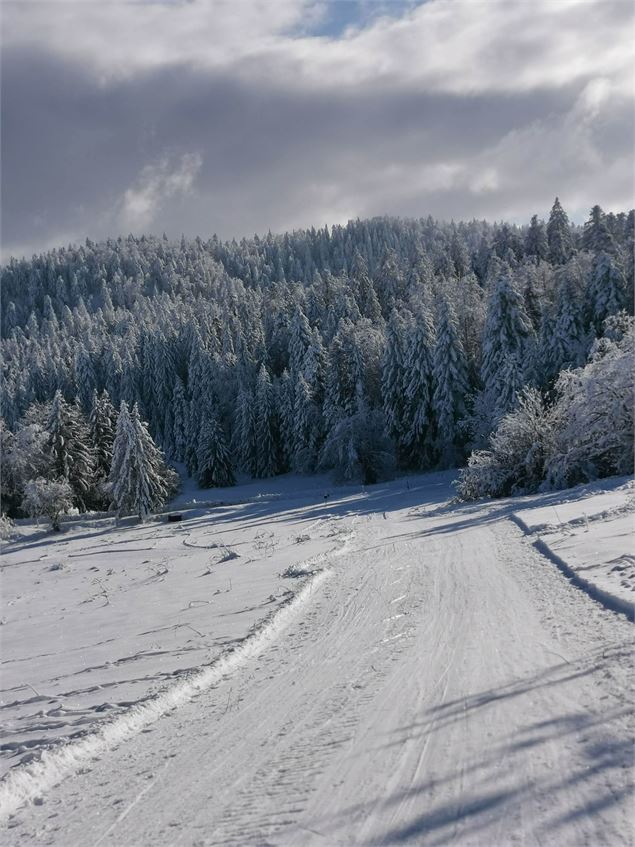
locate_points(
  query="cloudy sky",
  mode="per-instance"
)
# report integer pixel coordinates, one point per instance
(242, 116)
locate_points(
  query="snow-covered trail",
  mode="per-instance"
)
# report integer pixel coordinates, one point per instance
(445, 685)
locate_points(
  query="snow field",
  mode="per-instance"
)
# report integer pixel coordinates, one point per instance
(101, 618)
(28, 782)
(589, 532)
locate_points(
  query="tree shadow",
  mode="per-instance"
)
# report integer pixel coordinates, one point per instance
(471, 801)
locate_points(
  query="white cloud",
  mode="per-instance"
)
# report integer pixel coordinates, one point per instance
(444, 45)
(458, 108)
(157, 183)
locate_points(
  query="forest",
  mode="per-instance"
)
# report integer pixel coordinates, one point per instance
(375, 348)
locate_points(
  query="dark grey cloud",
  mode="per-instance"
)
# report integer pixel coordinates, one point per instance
(181, 147)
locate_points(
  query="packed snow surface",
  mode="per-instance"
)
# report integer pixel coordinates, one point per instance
(375, 666)
(591, 530)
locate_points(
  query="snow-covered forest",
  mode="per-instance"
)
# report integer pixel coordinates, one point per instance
(364, 349)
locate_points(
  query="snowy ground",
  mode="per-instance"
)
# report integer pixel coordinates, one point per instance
(590, 530)
(438, 681)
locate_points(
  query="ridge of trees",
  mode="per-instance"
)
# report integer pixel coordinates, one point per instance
(380, 344)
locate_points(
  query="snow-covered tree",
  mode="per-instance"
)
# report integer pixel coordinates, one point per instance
(450, 387)
(596, 235)
(214, 462)
(358, 448)
(102, 424)
(245, 445)
(393, 382)
(421, 425)
(264, 427)
(567, 345)
(514, 460)
(536, 244)
(559, 235)
(607, 291)
(593, 416)
(50, 498)
(72, 455)
(508, 339)
(140, 480)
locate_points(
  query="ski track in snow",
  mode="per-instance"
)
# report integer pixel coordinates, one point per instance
(445, 685)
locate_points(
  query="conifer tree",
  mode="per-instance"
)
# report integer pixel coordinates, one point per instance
(607, 291)
(266, 450)
(596, 235)
(299, 341)
(536, 244)
(285, 403)
(559, 235)
(84, 377)
(450, 387)
(102, 424)
(245, 447)
(567, 348)
(139, 479)
(393, 382)
(508, 339)
(68, 445)
(420, 434)
(214, 463)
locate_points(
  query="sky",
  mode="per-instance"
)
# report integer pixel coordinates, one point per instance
(238, 117)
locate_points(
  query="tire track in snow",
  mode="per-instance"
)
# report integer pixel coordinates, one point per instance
(25, 783)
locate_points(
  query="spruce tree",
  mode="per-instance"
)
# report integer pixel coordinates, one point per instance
(214, 462)
(568, 342)
(536, 244)
(606, 291)
(244, 440)
(420, 433)
(508, 340)
(84, 377)
(264, 427)
(139, 479)
(68, 445)
(102, 425)
(450, 387)
(596, 235)
(559, 235)
(393, 382)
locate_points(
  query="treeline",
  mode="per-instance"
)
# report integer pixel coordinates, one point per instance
(381, 344)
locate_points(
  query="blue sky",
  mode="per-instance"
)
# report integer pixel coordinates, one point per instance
(242, 116)
(341, 15)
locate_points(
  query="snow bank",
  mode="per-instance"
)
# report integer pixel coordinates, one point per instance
(588, 532)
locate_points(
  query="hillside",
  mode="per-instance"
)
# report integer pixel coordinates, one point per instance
(382, 346)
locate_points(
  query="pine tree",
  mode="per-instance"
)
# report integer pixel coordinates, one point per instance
(559, 235)
(214, 463)
(68, 445)
(139, 478)
(450, 387)
(393, 383)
